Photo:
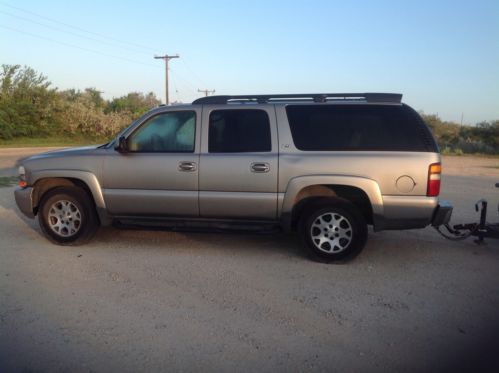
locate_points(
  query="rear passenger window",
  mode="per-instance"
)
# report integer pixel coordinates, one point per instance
(239, 131)
(356, 127)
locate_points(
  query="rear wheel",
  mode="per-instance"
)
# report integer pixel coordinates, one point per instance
(67, 216)
(333, 231)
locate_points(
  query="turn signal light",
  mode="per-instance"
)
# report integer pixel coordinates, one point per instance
(434, 173)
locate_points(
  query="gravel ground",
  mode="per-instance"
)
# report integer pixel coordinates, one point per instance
(150, 301)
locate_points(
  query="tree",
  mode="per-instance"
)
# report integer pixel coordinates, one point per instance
(488, 132)
(446, 133)
(135, 102)
(95, 96)
(26, 102)
(30, 107)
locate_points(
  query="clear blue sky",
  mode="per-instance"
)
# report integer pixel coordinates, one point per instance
(442, 55)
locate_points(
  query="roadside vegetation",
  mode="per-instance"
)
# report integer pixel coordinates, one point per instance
(33, 113)
(452, 138)
(6, 181)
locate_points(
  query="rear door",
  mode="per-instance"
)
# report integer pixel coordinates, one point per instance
(239, 162)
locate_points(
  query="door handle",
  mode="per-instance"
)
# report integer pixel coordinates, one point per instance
(260, 167)
(187, 166)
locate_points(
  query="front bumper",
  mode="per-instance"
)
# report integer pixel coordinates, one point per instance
(442, 214)
(24, 201)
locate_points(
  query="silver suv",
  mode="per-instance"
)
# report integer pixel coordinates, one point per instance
(325, 165)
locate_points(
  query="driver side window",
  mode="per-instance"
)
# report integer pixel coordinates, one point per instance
(170, 132)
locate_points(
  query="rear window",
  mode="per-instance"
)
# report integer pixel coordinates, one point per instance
(358, 127)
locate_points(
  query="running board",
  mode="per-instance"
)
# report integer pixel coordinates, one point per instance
(197, 225)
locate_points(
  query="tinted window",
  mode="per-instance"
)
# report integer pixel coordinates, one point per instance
(237, 131)
(358, 127)
(167, 132)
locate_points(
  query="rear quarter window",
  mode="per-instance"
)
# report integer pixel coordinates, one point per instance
(358, 127)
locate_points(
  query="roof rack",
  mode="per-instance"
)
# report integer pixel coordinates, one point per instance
(314, 97)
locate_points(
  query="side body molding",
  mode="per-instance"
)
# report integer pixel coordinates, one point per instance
(368, 186)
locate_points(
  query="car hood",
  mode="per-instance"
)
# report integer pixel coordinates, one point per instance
(64, 152)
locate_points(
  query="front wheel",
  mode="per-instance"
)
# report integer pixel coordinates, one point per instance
(67, 216)
(333, 231)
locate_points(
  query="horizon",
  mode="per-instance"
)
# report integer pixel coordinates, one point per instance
(442, 57)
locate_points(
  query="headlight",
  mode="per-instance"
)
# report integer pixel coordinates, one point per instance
(22, 173)
(22, 177)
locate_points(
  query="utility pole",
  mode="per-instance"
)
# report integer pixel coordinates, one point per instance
(206, 91)
(166, 58)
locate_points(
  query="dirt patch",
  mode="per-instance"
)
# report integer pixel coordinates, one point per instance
(470, 166)
(135, 300)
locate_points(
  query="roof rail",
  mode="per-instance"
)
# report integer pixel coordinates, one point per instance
(314, 97)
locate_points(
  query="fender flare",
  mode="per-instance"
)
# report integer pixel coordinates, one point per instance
(87, 177)
(368, 186)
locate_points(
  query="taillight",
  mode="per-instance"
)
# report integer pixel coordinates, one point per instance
(434, 172)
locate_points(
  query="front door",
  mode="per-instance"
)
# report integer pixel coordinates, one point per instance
(238, 165)
(159, 173)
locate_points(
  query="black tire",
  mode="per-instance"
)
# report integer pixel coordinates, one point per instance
(346, 233)
(67, 216)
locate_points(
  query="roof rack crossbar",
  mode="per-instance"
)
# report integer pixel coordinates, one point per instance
(315, 97)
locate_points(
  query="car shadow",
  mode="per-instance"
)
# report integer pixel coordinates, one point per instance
(199, 241)
(149, 237)
(381, 246)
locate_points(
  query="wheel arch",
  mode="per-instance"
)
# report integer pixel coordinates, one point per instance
(302, 191)
(44, 181)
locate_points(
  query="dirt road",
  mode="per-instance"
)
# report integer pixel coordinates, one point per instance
(149, 301)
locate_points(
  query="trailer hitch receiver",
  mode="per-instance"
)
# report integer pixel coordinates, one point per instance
(481, 230)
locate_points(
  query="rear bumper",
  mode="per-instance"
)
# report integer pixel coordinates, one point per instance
(413, 212)
(406, 212)
(442, 214)
(24, 201)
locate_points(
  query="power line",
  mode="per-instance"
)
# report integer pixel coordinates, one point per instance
(176, 91)
(77, 28)
(181, 77)
(166, 58)
(80, 29)
(206, 91)
(71, 33)
(193, 73)
(77, 47)
(175, 73)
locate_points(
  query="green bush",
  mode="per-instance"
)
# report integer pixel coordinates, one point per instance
(29, 107)
(453, 138)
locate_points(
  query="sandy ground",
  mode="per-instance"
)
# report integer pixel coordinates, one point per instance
(149, 301)
(471, 166)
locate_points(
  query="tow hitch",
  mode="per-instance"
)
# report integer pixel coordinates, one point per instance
(481, 230)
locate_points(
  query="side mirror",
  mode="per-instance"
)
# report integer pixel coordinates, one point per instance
(122, 146)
